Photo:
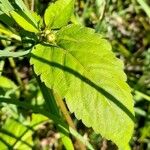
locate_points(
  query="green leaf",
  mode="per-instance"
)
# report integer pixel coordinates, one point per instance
(38, 19)
(55, 118)
(23, 22)
(145, 7)
(84, 70)
(22, 137)
(18, 6)
(8, 88)
(59, 13)
(4, 53)
(8, 137)
(26, 11)
(5, 6)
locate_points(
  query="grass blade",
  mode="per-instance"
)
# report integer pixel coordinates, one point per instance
(145, 7)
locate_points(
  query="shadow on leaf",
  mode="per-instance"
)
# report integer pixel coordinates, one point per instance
(89, 82)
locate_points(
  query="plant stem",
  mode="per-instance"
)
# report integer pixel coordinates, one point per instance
(13, 65)
(52, 108)
(32, 5)
(146, 97)
(1, 66)
(64, 110)
(26, 3)
(67, 117)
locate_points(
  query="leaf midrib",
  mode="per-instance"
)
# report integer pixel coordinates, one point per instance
(89, 74)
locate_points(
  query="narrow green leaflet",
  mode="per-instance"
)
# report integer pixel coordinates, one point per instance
(4, 53)
(58, 14)
(16, 5)
(84, 70)
(23, 22)
(38, 19)
(26, 11)
(145, 7)
(5, 6)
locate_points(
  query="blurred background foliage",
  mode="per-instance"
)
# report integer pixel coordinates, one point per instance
(126, 24)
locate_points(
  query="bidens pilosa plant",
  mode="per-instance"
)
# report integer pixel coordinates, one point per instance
(77, 65)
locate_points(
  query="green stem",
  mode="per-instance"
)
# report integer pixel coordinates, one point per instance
(32, 5)
(1, 66)
(53, 108)
(67, 117)
(52, 99)
(64, 110)
(17, 75)
(26, 3)
(146, 97)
